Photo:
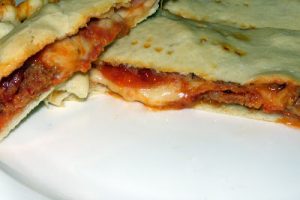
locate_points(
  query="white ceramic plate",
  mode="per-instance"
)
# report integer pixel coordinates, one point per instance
(11, 189)
(109, 149)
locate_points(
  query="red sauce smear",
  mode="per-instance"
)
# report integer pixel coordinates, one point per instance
(134, 78)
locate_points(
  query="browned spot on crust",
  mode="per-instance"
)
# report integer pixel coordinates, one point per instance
(147, 45)
(230, 48)
(203, 40)
(241, 37)
(134, 42)
(170, 52)
(158, 49)
(240, 52)
(247, 26)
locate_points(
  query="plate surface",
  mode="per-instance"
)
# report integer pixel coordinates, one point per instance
(11, 189)
(106, 148)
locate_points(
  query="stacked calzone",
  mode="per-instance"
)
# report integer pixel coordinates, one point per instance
(43, 46)
(239, 57)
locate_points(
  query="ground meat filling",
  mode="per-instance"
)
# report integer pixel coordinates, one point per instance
(24, 85)
(136, 84)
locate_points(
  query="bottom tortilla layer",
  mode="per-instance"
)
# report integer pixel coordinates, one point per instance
(176, 91)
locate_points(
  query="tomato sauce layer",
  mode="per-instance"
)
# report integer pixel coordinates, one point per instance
(279, 97)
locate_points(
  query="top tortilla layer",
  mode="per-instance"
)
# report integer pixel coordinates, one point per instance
(52, 22)
(240, 13)
(212, 51)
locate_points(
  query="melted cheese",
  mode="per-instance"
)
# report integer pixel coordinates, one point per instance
(156, 96)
